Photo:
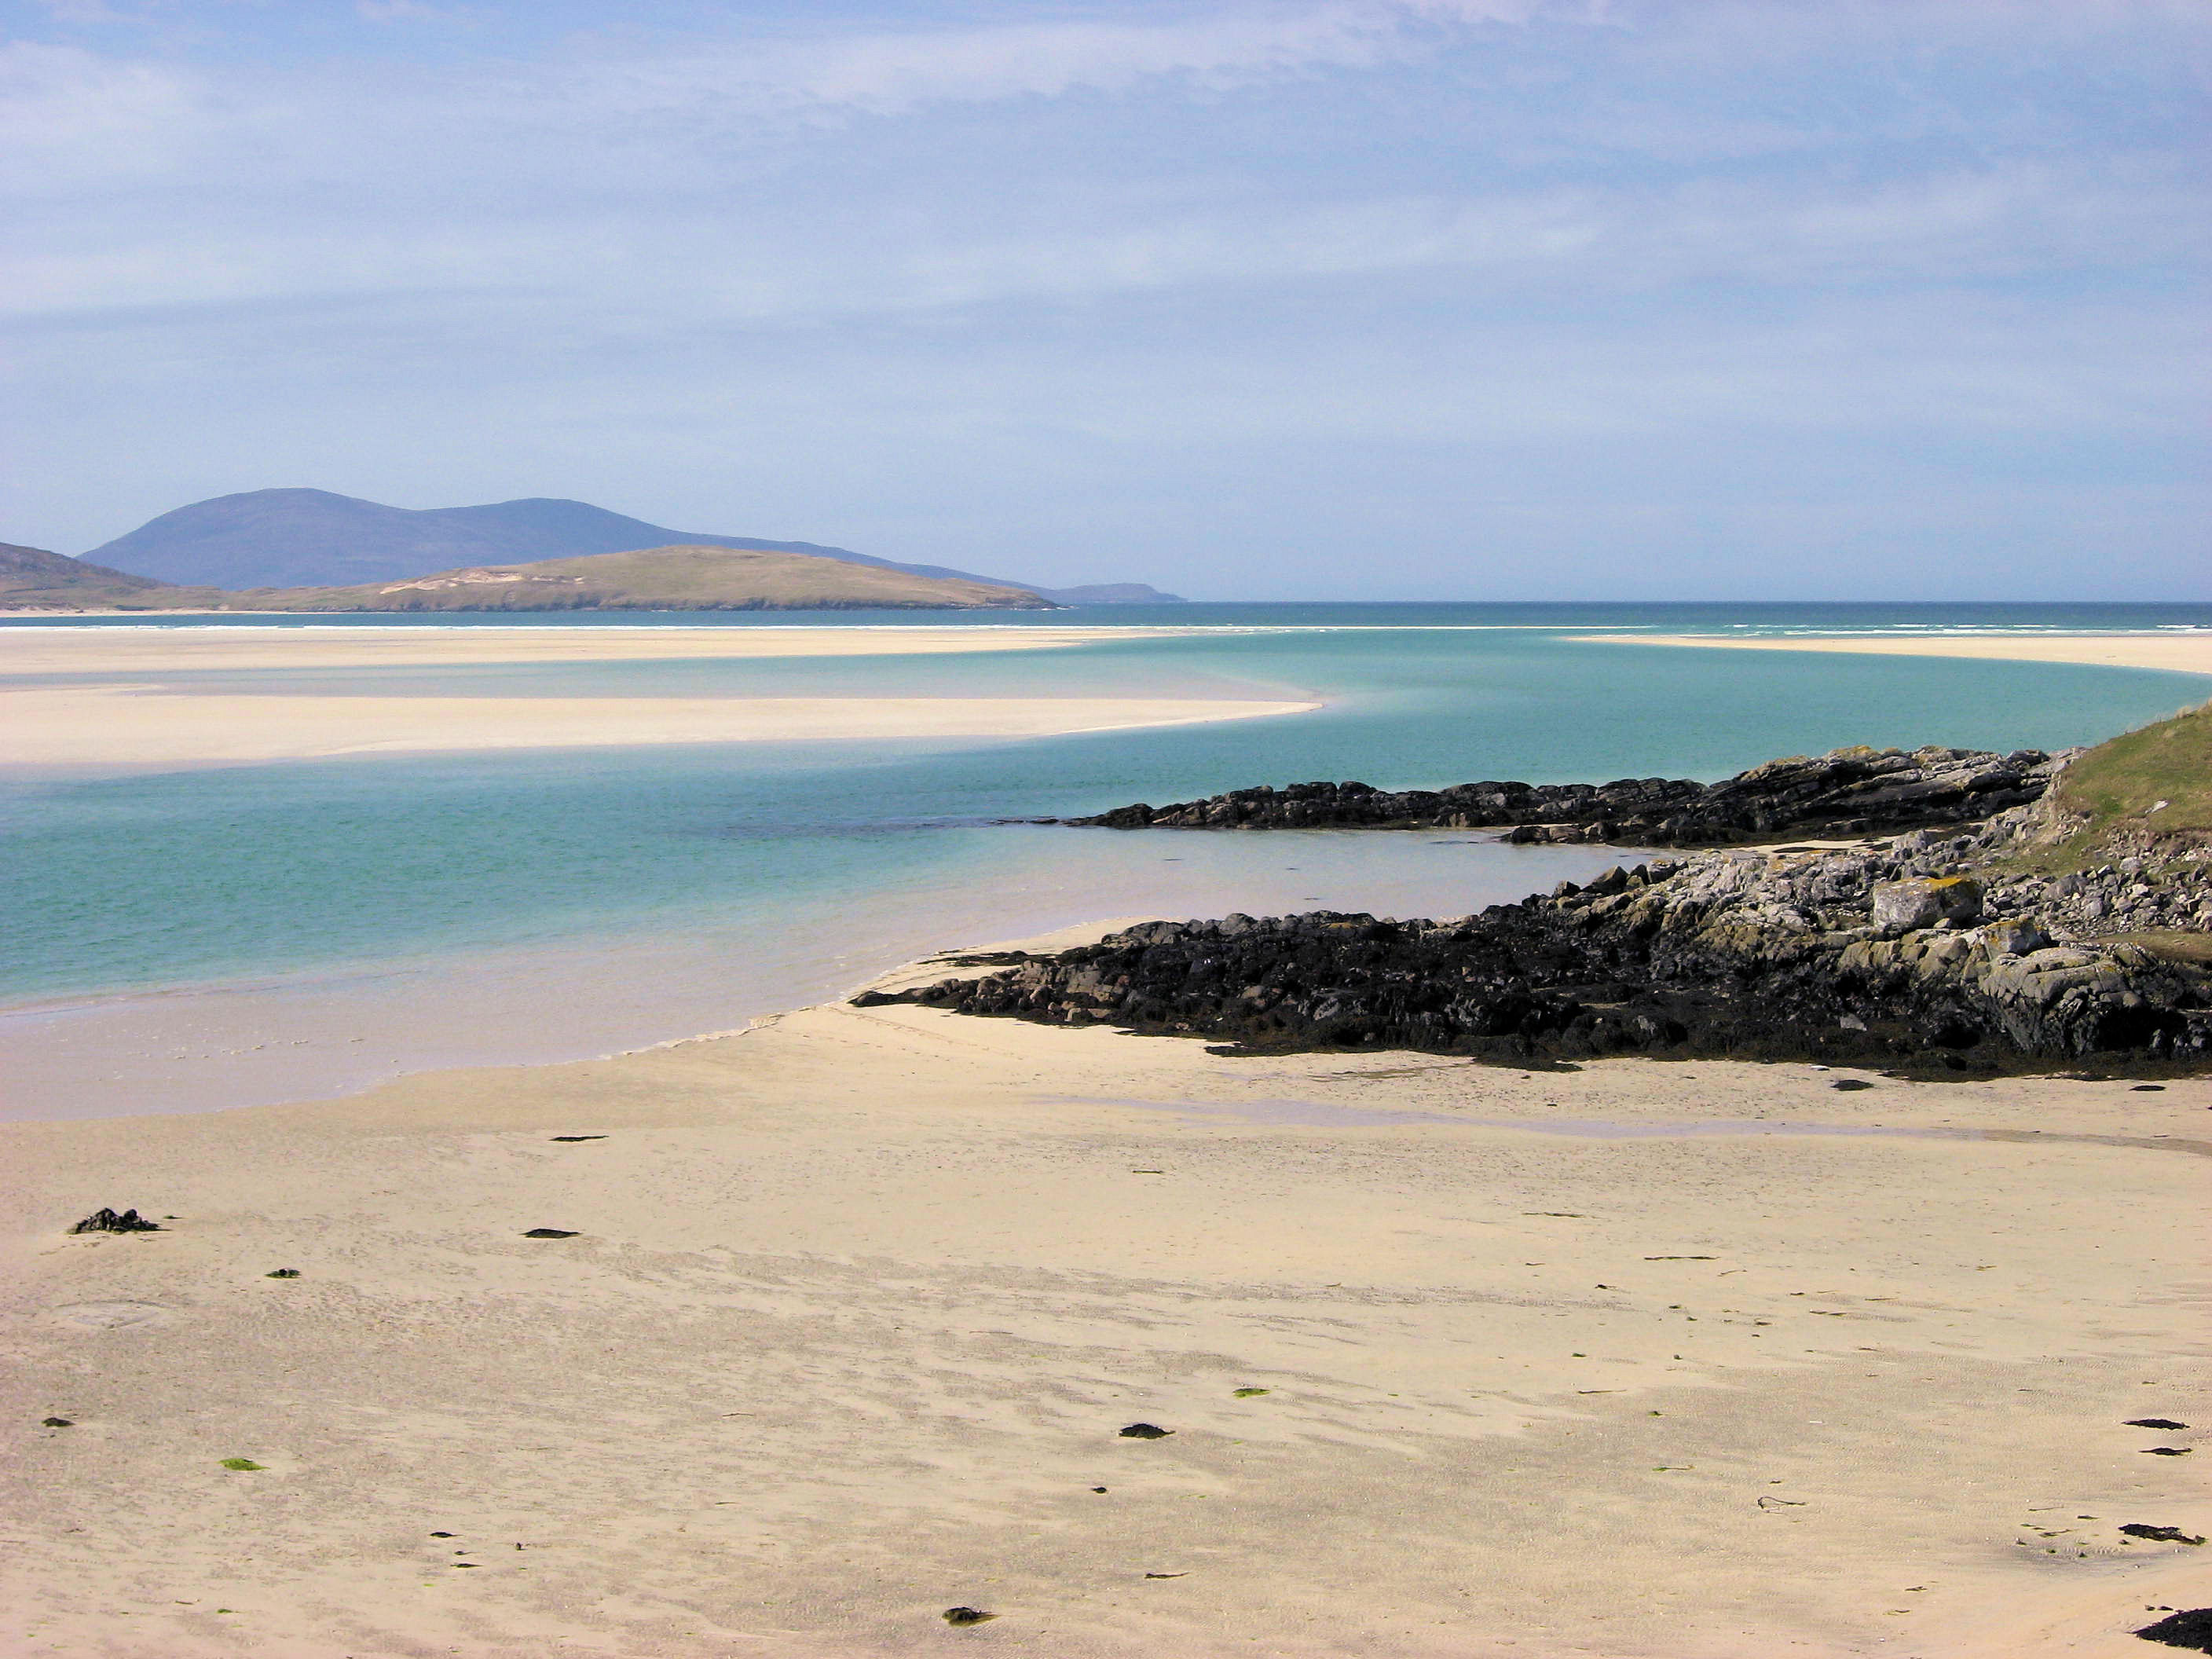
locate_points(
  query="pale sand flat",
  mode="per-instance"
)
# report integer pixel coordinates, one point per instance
(399, 644)
(2187, 654)
(158, 726)
(860, 1300)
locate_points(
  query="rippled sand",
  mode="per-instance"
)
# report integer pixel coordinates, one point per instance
(857, 1302)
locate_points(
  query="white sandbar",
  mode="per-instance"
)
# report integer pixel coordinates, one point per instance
(2183, 653)
(151, 725)
(149, 649)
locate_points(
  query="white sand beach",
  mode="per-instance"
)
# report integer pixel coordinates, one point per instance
(173, 717)
(2182, 654)
(1626, 1361)
(158, 725)
(122, 649)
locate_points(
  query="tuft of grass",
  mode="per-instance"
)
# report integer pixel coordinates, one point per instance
(242, 1464)
(1249, 1394)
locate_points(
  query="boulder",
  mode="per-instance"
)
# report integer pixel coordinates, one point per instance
(1904, 907)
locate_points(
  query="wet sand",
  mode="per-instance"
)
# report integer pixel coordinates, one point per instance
(1623, 1361)
(2189, 653)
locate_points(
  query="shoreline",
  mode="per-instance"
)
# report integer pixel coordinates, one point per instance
(2179, 655)
(326, 1030)
(978, 1248)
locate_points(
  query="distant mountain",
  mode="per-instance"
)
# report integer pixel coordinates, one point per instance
(31, 579)
(313, 539)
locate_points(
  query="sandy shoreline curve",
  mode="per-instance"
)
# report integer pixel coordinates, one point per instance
(147, 649)
(137, 703)
(2177, 653)
(849, 1310)
(153, 726)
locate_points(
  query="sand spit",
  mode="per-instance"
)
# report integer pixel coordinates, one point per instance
(848, 1314)
(144, 709)
(155, 726)
(2181, 653)
(150, 649)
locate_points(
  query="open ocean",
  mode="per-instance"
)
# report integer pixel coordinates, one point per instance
(179, 941)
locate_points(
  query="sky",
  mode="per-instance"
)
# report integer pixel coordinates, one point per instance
(1298, 299)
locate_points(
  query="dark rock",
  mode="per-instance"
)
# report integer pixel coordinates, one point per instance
(2166, 1451)
(282, 1273)
(2159, 1534)
(579, 1137)
(2191, 1628)
(1167, 1575)
(966, 1615)
(1844, 793)
(1145, 1431)
(1722, 955)
(106, 1221)
(57, 1423)
(2148, 1089)
(548, 1232)
(1893, 956)
(2154, 1423)
(1850, 1084)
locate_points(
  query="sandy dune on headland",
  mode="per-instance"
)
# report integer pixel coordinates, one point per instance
(154, 725)
(2183, 653)
(857, 1302)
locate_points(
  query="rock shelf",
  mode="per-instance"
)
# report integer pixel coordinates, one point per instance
(1845, 793)
(1936, 952)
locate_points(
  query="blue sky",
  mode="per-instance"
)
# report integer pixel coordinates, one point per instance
(1350, 298)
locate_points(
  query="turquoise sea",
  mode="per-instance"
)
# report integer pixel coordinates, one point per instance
(178, 940)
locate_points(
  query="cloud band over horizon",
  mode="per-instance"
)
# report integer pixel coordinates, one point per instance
(1353, 300)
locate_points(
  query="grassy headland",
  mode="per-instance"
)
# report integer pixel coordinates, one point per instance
(678, 578)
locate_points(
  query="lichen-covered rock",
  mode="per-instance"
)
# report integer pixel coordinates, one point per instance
(1924, 902)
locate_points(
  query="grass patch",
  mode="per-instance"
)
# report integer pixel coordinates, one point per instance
(2160, 777)
(242, 1464)
(2167, 945)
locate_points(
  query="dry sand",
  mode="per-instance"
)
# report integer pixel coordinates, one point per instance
(2183, 654)
(859, 1302)
(173, 719)
(98, 725)
(151, 649)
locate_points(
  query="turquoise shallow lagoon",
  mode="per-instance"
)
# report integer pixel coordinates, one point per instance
(183, 939)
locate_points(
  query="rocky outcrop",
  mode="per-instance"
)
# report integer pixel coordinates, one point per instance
(106, 1221)
(1880, 956)
(1846, 792)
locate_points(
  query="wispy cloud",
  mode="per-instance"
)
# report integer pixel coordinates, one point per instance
(1642, 231)
(70, 119)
